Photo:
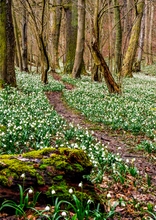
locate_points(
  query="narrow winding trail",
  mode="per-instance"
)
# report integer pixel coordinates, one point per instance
(117, 142)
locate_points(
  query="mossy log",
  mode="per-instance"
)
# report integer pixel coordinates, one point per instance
(59, 169)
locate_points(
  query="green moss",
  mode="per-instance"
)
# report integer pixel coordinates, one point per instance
(43, 166)
(40, 179)
(39, 153)
(3, 180)
(58, 178)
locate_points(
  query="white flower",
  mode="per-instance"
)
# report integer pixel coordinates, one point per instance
(47, 208)
(53, 192)
(23, 175)
(109, 196)
(71, 191)
(30, 191)
(89, 201)
(127, 160)
(80, 185)
(63, 213)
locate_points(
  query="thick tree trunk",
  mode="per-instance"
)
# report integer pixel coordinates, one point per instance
(70, 8)
(99, 61)
(7, 45)
(44, 170)
(3, 43)
(55, 23)
(78, 62)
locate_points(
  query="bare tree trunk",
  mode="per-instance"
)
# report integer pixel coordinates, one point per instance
(24, 38)
(78, 62)
(146, 32)
(55, 23)
(71, 34)
(96, 75)
(118, 38)
(112, 86)
(18, 49)
(133, 42)
(137, 64)
(10, 77)
(151, 32)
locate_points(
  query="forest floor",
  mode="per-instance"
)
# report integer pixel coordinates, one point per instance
(118, 142)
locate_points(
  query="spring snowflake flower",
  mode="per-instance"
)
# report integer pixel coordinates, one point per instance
(30, 191)
(109, 196)
(47, 208)
(80, 185)
(53, 192)
(70, 191)
(23, 175)
(64, 214)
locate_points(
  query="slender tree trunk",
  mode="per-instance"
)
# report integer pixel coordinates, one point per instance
(137, 64)
(44, 54)
(78, 62)
(18, 49)
(151, 32)
(96, 75)
(24, 38)
(146, 32)
(118, 38)
(133, 42)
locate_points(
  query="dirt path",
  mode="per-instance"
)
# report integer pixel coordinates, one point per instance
(117, 141)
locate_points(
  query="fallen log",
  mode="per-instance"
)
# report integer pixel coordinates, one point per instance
(46, 170)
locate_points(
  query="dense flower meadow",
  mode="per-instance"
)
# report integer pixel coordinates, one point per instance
(28, 122)
(134, 111)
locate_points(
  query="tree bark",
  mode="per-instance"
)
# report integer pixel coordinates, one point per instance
(118, 38)
(24, 38)
(137, 64)
(7, 45)
(3, 43)
(70, 8)
(55, 23)
(133, 42)
(112, 86)
(78, 62)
